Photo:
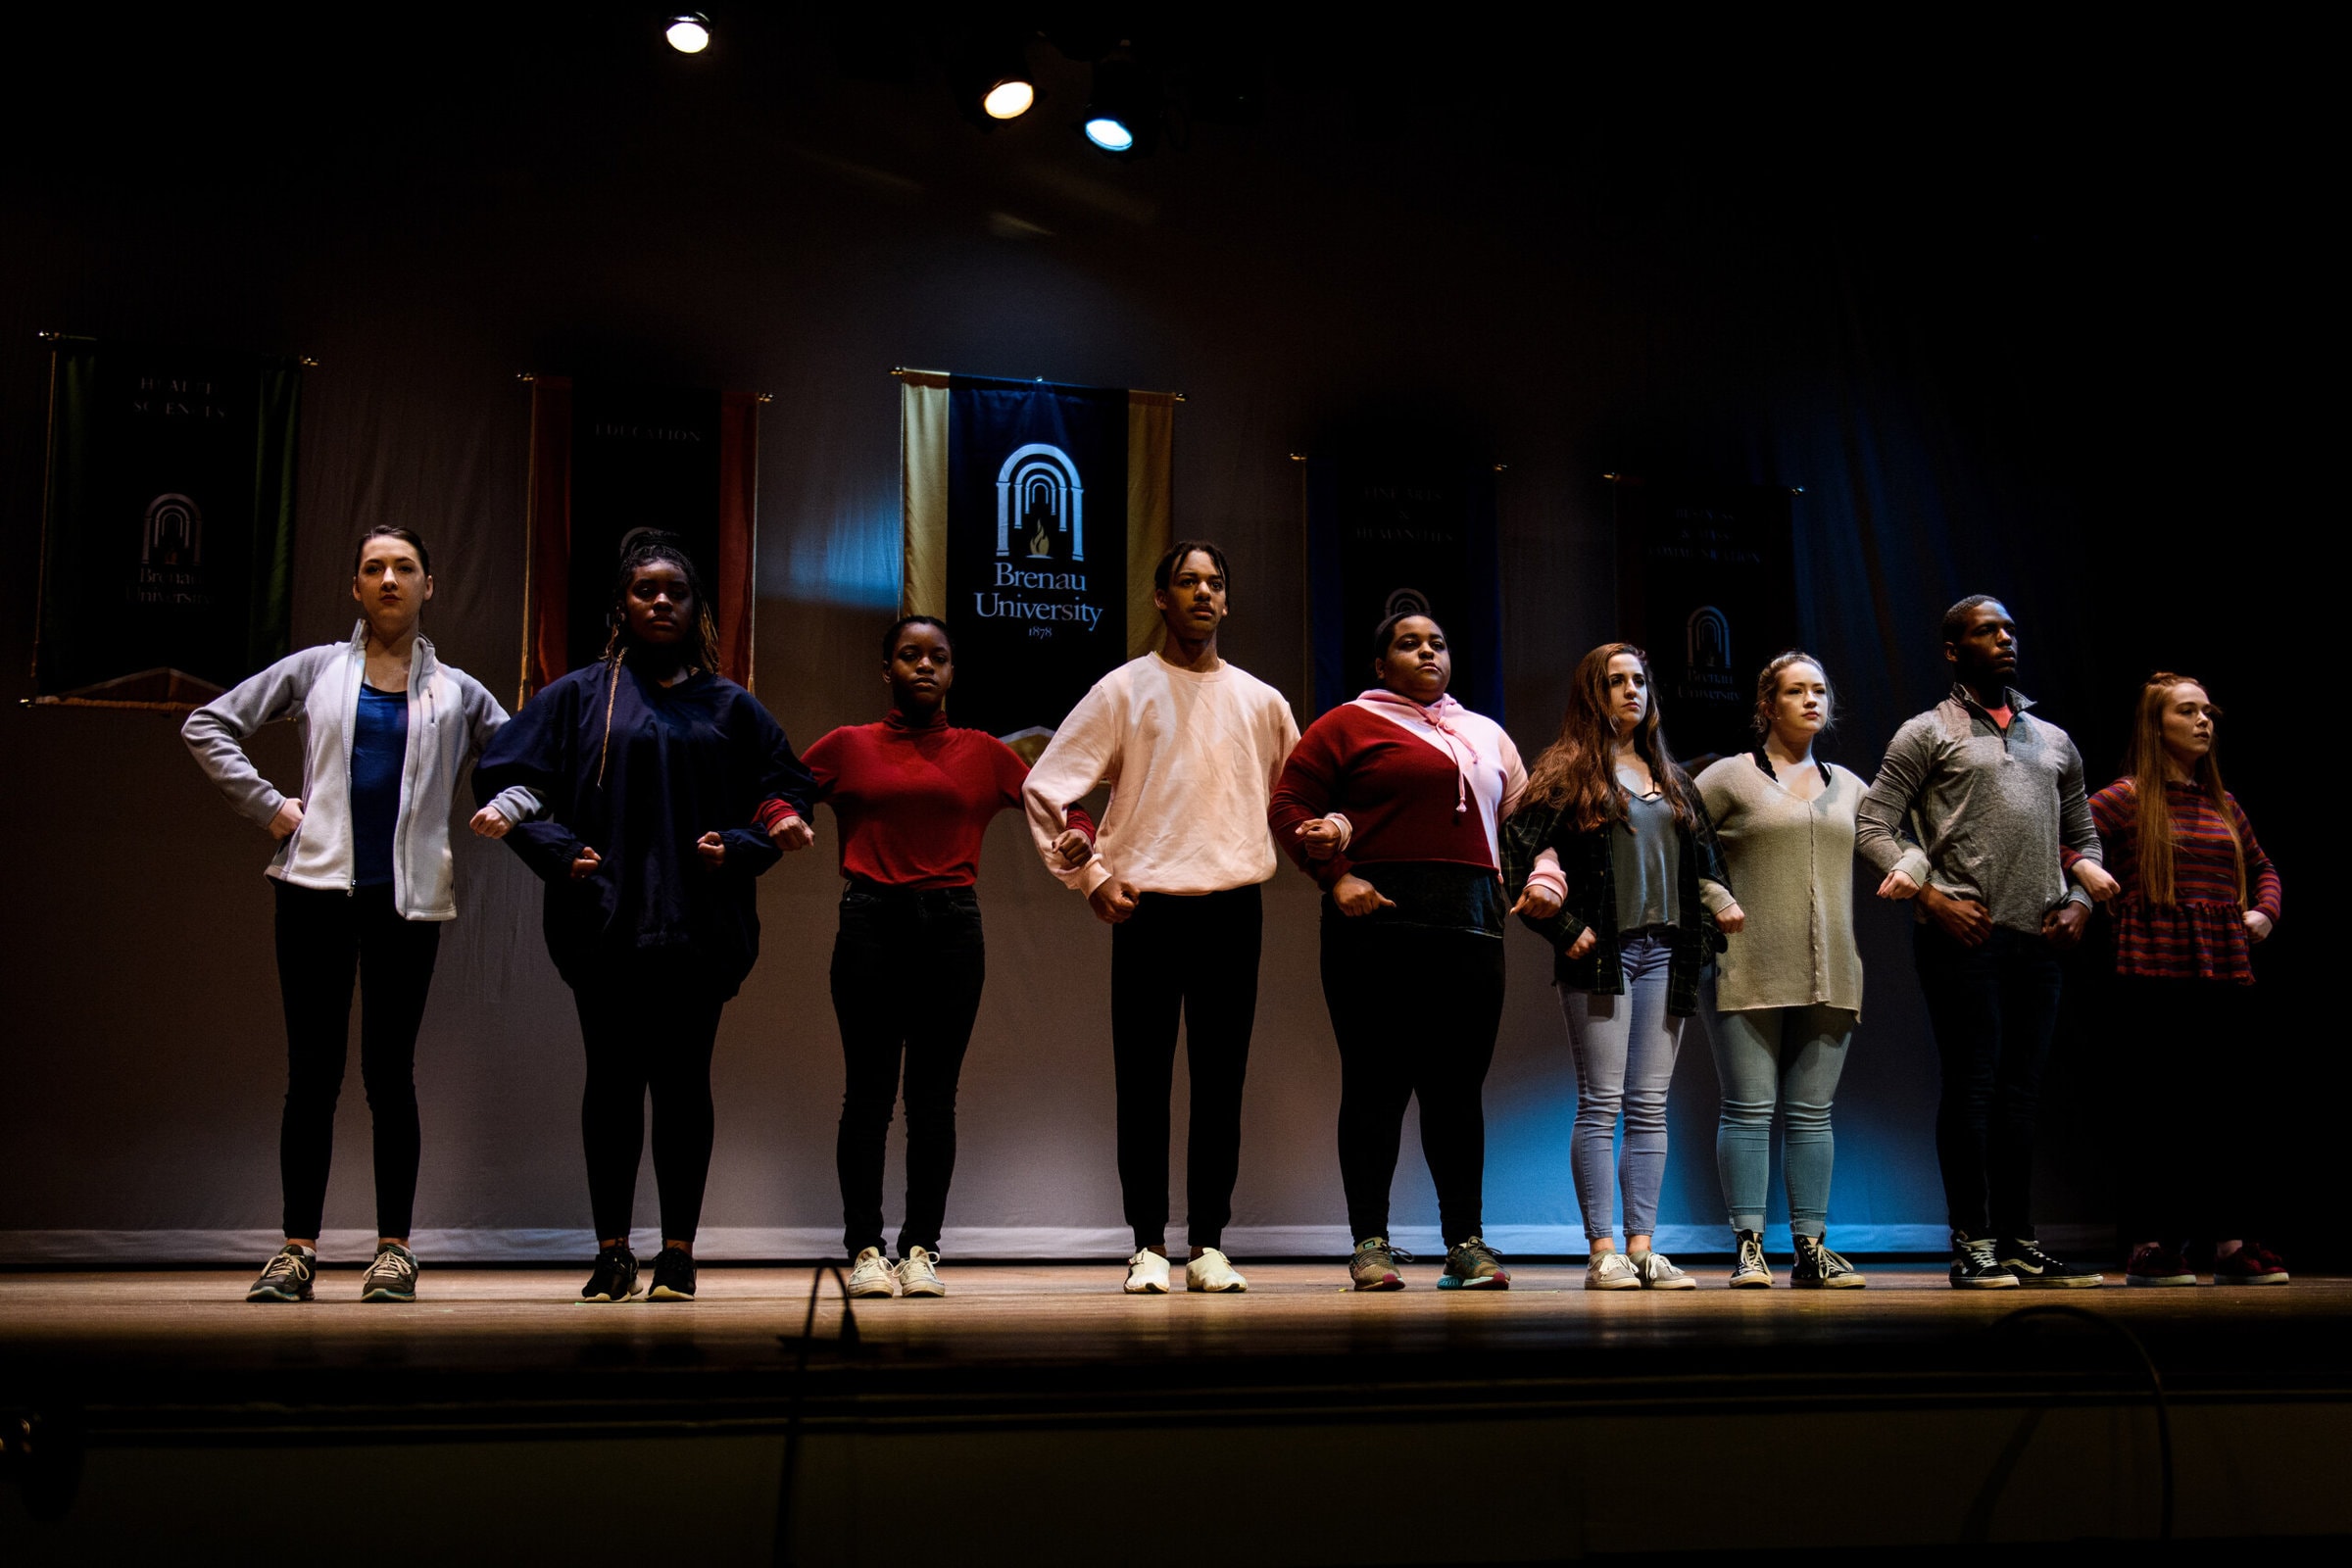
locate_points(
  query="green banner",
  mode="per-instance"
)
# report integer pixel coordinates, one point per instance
(167, 532)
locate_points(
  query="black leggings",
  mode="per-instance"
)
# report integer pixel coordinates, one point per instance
(325, 942)
(1194, 957)
(2180, 1182)
(648, 1023)
(1415, 1010)
(908, 969)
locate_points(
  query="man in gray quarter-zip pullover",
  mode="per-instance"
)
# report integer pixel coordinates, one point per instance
(1989, 795)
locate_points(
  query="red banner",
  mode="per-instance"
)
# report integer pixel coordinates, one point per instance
(610, 459)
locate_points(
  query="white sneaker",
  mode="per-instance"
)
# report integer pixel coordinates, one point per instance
(1611, 1271)
(918, 1274)
(1658, 1273)
(1212, 1271)
(870, 1274)
(1147, 1274)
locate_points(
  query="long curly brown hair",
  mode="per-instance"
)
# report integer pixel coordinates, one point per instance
(1576, 774)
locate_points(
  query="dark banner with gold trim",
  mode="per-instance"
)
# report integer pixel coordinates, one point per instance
(1706, 586)
(168, 527)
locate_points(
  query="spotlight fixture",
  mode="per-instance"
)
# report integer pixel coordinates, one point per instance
(989, 72)
(1009, 99)
(688, 33)
(1117, 112)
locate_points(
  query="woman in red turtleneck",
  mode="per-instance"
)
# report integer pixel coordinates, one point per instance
(913, 795)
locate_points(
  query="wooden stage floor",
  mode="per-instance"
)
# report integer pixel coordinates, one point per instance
(515, 1321)
(494, 1405)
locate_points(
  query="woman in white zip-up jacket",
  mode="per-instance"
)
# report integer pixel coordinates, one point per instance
(362, 881)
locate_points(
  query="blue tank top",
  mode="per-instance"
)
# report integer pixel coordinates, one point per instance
(379, 746)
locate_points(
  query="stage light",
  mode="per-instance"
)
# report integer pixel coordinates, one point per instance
(1009, 99)
(988, 69)
(1118, 111)
(1110, 132)
(688, 33)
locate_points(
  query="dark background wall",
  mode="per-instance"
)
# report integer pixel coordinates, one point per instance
(2018, 320)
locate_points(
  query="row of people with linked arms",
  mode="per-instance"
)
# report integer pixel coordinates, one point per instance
(646, 792)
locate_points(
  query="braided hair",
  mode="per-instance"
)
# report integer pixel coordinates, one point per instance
(641, 548)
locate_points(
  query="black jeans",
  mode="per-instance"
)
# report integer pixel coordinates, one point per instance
(1415, 1011)
(908, 969)
(1994, 1009)
(648, 1023)
(1194, 956)
(325, 941)
(2183, 1180)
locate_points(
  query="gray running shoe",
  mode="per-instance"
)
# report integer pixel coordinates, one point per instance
(1473, 1266)
(1611, 1270)
(1749, 1271)
(288, 1277)
(1374, 1266)
(392, 1277)
(1658, 1272)
(1820, 1269)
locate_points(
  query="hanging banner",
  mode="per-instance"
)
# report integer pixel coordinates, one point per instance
(1386, 535)
(168, 526)
(1706, 586)
(608, 459)
(1034, 516)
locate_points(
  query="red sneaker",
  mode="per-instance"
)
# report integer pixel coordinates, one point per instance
(2251, 1264)
(2154, 1264)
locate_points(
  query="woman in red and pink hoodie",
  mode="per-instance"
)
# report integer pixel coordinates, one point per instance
(1390, 802)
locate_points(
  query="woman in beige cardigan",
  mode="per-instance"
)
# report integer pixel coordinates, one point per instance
(1790, 987)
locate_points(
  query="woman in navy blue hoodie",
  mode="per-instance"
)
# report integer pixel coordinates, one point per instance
(652, 766)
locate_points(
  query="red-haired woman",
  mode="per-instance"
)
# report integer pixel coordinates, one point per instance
(1608, 811)
(2198, 894)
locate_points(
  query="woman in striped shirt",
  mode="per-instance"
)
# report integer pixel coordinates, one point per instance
(2197, 893)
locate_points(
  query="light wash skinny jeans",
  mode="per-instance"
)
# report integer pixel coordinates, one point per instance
(1625, 1048)
(1794, 1054)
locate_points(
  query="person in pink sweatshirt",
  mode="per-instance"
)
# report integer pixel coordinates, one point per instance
(1389, 802)
(1190, 747)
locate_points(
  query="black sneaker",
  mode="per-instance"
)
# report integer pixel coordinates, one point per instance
(1976, 1264)
(1473, 1266)
(2038, 1269)
(288, 1277)
(1820, 1269)
(674, 1276)
(392, 1277)
(615, 1276)
(1749, 1271)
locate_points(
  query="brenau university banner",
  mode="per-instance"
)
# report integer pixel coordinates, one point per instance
(1706, 586)
(608, 459)
(168, 527)
(1034, 515)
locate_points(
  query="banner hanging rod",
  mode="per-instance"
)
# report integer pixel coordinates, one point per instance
(1034, 380)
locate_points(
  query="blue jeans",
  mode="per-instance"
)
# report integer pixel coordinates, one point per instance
(1625, 1048)
(1794, 1054)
